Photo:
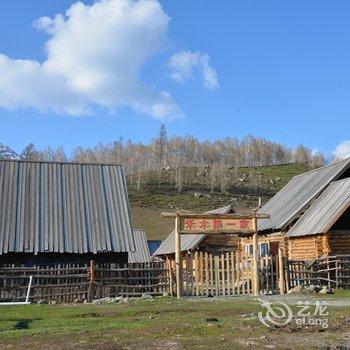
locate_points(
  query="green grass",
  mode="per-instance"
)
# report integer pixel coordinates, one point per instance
(157, 324)
(152, 199)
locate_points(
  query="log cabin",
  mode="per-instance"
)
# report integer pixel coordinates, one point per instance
(57, 212)
(288, 207)
(324, 229)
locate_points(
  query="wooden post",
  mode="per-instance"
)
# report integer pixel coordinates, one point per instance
(281, 282)
(91, 275)
(256, 279)
(178, 258)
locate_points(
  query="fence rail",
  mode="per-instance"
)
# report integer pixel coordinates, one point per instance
(331, 271)
(71, 282)
(224, 274)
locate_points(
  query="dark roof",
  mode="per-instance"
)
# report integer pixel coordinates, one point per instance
(293, 199)
(188, 241)
(325, 211)
(141, 252)
(63, 207)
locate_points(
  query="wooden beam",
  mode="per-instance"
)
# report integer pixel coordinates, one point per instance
(256, 279)
(281, 281)
(210, 216)
(178, 258)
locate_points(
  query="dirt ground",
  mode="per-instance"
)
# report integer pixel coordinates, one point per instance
(166, 323)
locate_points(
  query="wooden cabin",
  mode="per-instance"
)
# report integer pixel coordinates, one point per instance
(289, 207)
(55, 212)
(200, 242)
(324, 229)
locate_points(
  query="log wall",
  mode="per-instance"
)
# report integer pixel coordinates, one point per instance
(339, 242)
(308, 247)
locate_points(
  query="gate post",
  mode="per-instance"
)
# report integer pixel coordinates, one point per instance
(178, 258)
(256, 279)
(281, 281)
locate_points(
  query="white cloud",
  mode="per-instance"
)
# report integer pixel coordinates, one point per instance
(342, 150)
(183, 65)
(95, 55)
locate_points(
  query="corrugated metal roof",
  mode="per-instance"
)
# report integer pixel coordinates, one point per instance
(298, 194)
(141, 252)
(63, 207)
(325, 211)
(188, 241)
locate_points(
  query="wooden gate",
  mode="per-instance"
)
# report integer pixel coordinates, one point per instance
(225, 274)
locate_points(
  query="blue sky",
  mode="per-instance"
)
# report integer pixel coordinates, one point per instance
(279, 70)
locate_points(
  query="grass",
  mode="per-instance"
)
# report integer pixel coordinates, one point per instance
(261, 182)
(161, 323)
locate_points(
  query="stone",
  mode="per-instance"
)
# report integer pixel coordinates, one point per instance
(52, 302)
(297, 289)
(77, 301)
(41, 302)
(146, 296)
(326, 290)
(198, 194)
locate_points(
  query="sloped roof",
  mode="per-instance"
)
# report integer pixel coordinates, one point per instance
(298, 194)
(141, 252)
(188, 241)
(64, 208)
(325, 211)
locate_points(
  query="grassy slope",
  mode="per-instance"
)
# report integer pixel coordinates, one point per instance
(151, 200)
(163, 323)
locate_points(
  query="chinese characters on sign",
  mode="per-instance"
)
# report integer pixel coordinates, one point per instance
(198, 225)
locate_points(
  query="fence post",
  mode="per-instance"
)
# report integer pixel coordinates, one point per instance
(281, 281)
(178, 258)
(91, 276)
(256, 279)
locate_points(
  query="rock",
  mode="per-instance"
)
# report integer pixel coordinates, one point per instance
(77, 301)
(86, 301)
(126, 299)
(312, 288)
(326, 290)
(212, 319)
(101, 301)
(198, 194)
(209, 196)
(146, 296)
(297, 289)
(241, 179)
(41, 302)
(118, 299)
(52, 302)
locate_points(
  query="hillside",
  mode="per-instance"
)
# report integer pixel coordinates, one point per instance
(244, 186)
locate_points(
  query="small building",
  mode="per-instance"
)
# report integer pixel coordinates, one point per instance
(56, 212)
(324, 229)
(200, 242)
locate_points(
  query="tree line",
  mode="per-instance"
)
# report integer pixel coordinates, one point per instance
(176, 155)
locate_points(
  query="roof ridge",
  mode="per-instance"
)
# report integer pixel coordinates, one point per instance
(322, 167)
(57, 162)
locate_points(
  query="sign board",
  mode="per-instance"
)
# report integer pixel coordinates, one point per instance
(216, 224)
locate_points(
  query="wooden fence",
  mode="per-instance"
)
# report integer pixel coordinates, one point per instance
(332, 271)
(224, 274)
(85, 281)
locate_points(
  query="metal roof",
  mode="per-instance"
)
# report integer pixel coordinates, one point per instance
(325, 211)
(289, 203)
(141, 252)
(188, 241)
(64, 208)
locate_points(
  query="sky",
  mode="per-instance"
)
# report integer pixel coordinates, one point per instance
(79, 73)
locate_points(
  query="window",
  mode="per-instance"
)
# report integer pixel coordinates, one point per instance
(263, 249)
